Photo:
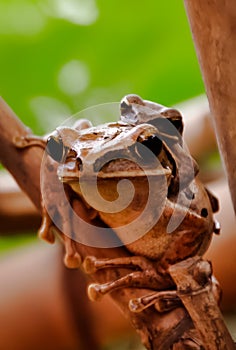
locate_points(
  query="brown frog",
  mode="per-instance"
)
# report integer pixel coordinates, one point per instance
(137, 177)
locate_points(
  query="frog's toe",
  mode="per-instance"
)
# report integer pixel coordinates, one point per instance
(95, 292)
(163, 301)
(135, 305)
(72, 258)
(89, 264)
(46, 234)
(72, 261)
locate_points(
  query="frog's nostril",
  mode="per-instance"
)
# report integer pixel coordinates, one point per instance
(148, 150)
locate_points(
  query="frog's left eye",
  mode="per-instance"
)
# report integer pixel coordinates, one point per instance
(125, 108)
(56, 149)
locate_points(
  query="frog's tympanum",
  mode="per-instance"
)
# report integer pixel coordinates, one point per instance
(146, 148)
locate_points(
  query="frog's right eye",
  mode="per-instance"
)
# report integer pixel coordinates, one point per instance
(56, 149)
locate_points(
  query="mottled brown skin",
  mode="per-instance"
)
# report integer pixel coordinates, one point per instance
(109, 152)
(192, 237)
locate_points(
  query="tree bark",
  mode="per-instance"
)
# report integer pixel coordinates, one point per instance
(194, 289)
(213, 25)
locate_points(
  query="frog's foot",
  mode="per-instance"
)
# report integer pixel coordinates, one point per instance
(144, 276)
(72, 258)
(29, 141)
(48, 231)
(163, 301)
(92, 264)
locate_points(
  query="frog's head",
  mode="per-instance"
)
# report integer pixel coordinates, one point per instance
(109, 150)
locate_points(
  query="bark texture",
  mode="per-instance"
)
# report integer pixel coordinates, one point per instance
(213, 25)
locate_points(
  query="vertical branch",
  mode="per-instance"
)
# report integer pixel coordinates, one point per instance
(195, 290)
(213, 25)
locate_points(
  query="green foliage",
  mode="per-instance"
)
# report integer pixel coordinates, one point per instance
(58, 57)
(15, 241)
(119, 47)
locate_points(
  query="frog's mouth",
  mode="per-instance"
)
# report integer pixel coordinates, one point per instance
(146, 156)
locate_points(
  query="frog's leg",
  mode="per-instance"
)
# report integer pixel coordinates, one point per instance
(48, 229)
(45, 231)
(168, 300)
(147, 277)
(144, 276)
(72, 258)
(163, 301)
(30, 140)
(41, 141)
(92, 264)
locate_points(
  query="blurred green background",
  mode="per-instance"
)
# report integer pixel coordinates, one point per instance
(58, 57)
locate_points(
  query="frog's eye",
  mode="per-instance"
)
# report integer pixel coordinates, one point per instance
(125, 107)
(175, 117)
(128, 101)
(56, 149)
(154, 144)
(147, 151)
(133, 99)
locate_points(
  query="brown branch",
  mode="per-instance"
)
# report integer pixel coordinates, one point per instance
(17, 213)
(194, 289)
(24, 165)
(157, 330)
(213, 25)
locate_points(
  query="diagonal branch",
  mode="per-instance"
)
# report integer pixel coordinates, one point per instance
(157, 331)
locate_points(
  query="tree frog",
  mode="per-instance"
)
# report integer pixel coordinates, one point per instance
(143, 154)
